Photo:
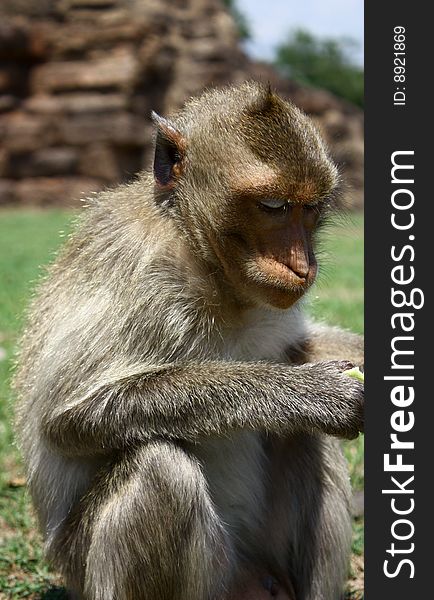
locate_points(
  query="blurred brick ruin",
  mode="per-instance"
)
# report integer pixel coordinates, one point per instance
(79, 78)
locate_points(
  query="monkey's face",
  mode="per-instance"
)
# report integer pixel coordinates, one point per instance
(248, 179)
(267, 250)
(282, 264)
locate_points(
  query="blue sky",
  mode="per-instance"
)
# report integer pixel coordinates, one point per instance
(270, 21)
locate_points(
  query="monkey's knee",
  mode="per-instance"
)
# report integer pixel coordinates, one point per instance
(157, 536)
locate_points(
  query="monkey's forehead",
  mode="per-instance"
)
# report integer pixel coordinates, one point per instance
(266, 181)
(255, 162)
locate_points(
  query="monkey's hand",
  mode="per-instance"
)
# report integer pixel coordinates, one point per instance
(341, 402)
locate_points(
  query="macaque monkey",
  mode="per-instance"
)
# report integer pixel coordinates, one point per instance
(178, 414)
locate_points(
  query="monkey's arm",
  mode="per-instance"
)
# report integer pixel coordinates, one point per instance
(193, 400)
(324, 342)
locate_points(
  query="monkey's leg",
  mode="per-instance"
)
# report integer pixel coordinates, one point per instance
(147, 531)
(324, 342)
(309, 522)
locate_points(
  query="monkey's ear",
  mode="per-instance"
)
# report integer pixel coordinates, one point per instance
(169, 152)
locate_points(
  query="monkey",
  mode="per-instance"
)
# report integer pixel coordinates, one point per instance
(177, 412)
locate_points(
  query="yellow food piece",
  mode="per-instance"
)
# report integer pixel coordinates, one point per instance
(355, 373)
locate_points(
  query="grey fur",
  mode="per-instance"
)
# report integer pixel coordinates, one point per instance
(169, 445)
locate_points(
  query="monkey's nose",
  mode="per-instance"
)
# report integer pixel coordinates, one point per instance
(298, 260)
(300, 269)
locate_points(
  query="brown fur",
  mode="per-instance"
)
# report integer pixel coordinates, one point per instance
(172, 452)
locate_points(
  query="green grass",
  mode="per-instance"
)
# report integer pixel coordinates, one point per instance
(337, 297)
(28, 239)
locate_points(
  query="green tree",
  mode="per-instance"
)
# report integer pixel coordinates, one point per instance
(325, 63)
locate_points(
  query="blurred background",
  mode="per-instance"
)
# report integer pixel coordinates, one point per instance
(78, 80)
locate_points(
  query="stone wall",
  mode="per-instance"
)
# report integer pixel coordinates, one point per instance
(79, 78)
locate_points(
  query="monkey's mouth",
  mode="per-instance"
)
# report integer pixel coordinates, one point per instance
(280, 274)
(302, 282)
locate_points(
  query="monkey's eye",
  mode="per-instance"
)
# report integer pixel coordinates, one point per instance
(273, 203)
